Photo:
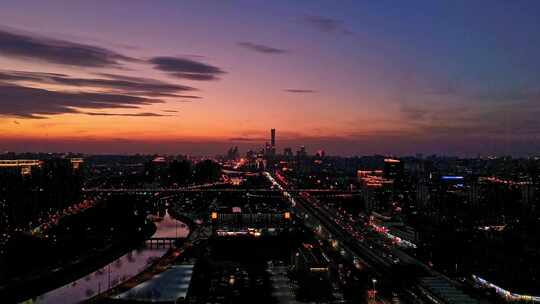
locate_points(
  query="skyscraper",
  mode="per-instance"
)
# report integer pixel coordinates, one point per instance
(393, 168)
(273, 138)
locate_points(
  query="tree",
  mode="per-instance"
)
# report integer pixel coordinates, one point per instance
(180, 172)
(207, 171)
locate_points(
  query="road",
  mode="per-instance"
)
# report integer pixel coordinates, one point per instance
(197, 190)
(373, 251)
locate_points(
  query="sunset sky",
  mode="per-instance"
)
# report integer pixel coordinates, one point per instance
(351, 77)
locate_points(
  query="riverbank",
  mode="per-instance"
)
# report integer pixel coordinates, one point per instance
(155, 268)
(32, 285)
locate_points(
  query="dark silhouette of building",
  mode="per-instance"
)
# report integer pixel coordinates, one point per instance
(288, 153)
(393, 168)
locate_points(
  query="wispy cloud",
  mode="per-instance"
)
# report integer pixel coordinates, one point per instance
(27, 102)
(300, 91)
(413, 112)
(327, 25)
(117, 83)
(29, 46)
(137, 87)
(186, 68)
(259, 48)
(143, 114)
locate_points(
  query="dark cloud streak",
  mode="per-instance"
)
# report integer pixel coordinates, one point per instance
(140, 87)
(327, 25)
(27, 46)
(117, 83)
(143, 114)
(300, 91)
(27, 102)
(259, 48)
(186, 68)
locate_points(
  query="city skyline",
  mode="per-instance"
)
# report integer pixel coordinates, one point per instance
(251, 151)
(456, 78)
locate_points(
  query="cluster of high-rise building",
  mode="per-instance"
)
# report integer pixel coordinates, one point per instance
(269, 158)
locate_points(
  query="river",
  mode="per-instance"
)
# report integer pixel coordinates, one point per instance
(116, 272)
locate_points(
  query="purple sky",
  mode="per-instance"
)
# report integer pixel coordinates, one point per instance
(354, 77)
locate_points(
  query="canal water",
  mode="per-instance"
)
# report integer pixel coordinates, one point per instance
(116, 272)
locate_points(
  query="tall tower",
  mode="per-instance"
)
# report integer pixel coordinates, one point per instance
(273, 138)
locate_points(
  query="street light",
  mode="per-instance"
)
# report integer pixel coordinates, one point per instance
(374, 290)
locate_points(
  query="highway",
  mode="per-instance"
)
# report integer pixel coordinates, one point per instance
(372, 260)
(433, 287)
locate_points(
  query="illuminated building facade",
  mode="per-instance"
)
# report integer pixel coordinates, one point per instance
(393, 168)
(376, 189)
(233, 222)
